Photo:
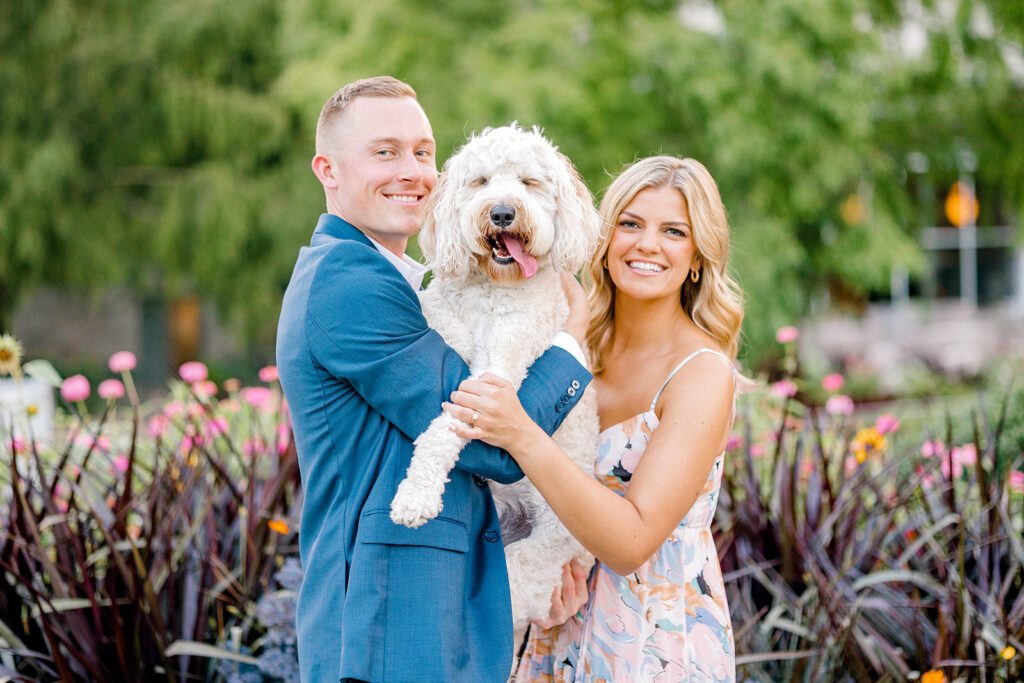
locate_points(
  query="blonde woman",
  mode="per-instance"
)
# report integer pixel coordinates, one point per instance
(665, 319)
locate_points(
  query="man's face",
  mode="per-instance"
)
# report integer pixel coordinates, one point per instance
(385, 167)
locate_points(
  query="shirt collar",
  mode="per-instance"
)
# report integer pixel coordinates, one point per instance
(412, 271)
(334, 226)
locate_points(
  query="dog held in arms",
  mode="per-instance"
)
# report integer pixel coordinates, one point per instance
(509, 213)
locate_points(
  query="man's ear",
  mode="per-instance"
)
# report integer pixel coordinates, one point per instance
(323, 168)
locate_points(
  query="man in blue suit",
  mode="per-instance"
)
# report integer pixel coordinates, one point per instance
(363, 376)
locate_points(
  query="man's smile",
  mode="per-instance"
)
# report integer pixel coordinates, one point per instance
(404, 198)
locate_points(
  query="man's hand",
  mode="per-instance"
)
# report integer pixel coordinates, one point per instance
(568, 599)
(579, 309)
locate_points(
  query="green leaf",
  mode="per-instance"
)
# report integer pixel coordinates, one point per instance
(42, 370)
(196, 649)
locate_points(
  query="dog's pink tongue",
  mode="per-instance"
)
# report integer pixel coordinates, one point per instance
(527, 263)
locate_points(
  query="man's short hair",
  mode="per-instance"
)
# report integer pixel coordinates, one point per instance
(330, 115)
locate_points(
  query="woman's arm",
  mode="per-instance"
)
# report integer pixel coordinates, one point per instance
(623, 532)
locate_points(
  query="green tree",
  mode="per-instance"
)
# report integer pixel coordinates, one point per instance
(143, 144)
(168, 146)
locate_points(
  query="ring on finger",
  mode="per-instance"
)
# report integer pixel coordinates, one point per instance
(474, 418)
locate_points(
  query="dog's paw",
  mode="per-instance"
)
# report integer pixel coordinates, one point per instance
(412, 508)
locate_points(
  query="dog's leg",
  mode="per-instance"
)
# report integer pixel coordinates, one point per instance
(418, 498)
(419, 495)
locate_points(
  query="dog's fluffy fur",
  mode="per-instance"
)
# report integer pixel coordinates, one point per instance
(487, 306)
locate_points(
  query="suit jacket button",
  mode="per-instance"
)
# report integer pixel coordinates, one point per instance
(492, 535)
(479, 481)
(575, 384)
(571, 391)
(559, 407)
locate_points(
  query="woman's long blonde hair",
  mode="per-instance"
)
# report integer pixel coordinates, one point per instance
(714, 303)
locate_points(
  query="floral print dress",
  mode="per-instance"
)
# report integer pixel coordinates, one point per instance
(668, 620)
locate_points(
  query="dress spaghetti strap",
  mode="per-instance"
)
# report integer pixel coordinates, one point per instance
(684, 362)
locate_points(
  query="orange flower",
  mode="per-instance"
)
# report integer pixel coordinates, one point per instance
(278, 525)
(869, 442)
(933, 676)
(1008, 652)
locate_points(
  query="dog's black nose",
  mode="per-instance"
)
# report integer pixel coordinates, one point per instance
(502, 216)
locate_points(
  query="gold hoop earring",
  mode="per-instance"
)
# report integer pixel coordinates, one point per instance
(694, 276)
(604, 262)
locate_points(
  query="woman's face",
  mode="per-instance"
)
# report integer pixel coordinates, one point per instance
(651, 251)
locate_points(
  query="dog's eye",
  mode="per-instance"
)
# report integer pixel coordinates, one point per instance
(529, 182)
(479, 182)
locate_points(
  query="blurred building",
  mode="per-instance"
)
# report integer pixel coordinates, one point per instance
(965, 310)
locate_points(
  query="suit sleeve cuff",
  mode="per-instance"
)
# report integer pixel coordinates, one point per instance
(567, 342)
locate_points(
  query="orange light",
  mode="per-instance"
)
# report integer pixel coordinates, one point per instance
(961, 205)
(852, 209)
(278, 525)
(933, 676)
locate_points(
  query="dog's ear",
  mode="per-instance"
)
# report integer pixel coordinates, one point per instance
(440, 242)
(427, 237)
(578, 225)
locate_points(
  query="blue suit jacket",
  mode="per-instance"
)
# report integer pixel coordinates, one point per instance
(364, 376)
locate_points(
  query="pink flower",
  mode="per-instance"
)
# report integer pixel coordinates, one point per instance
(195, 410)
(966, 454)
(75, 388)
(886, 424)
(733, 443)
(158, 425)
(122, 361)
(961, 456)
(926, 479)
(110, 388)
(86, 441)
(121, 463)
(62, 505)
(786, 334)
(190, 441)
(268, 374)
(174, 408)
(193, 371)
(1016, 481)
(284, 434)
(832, 382)
(258, 397)
(204, 388)
(757, 450)
(839, 405)
(229, 405)
(784, 388)
(850, 465)
(217, 426)
(930, 448)
(253, 447)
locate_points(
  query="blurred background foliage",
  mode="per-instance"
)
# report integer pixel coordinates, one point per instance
(165, 145)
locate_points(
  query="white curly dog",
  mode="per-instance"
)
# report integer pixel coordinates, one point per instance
(509, 213)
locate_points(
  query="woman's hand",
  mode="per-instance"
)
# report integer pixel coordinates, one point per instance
(491, 411)
(569, 598)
